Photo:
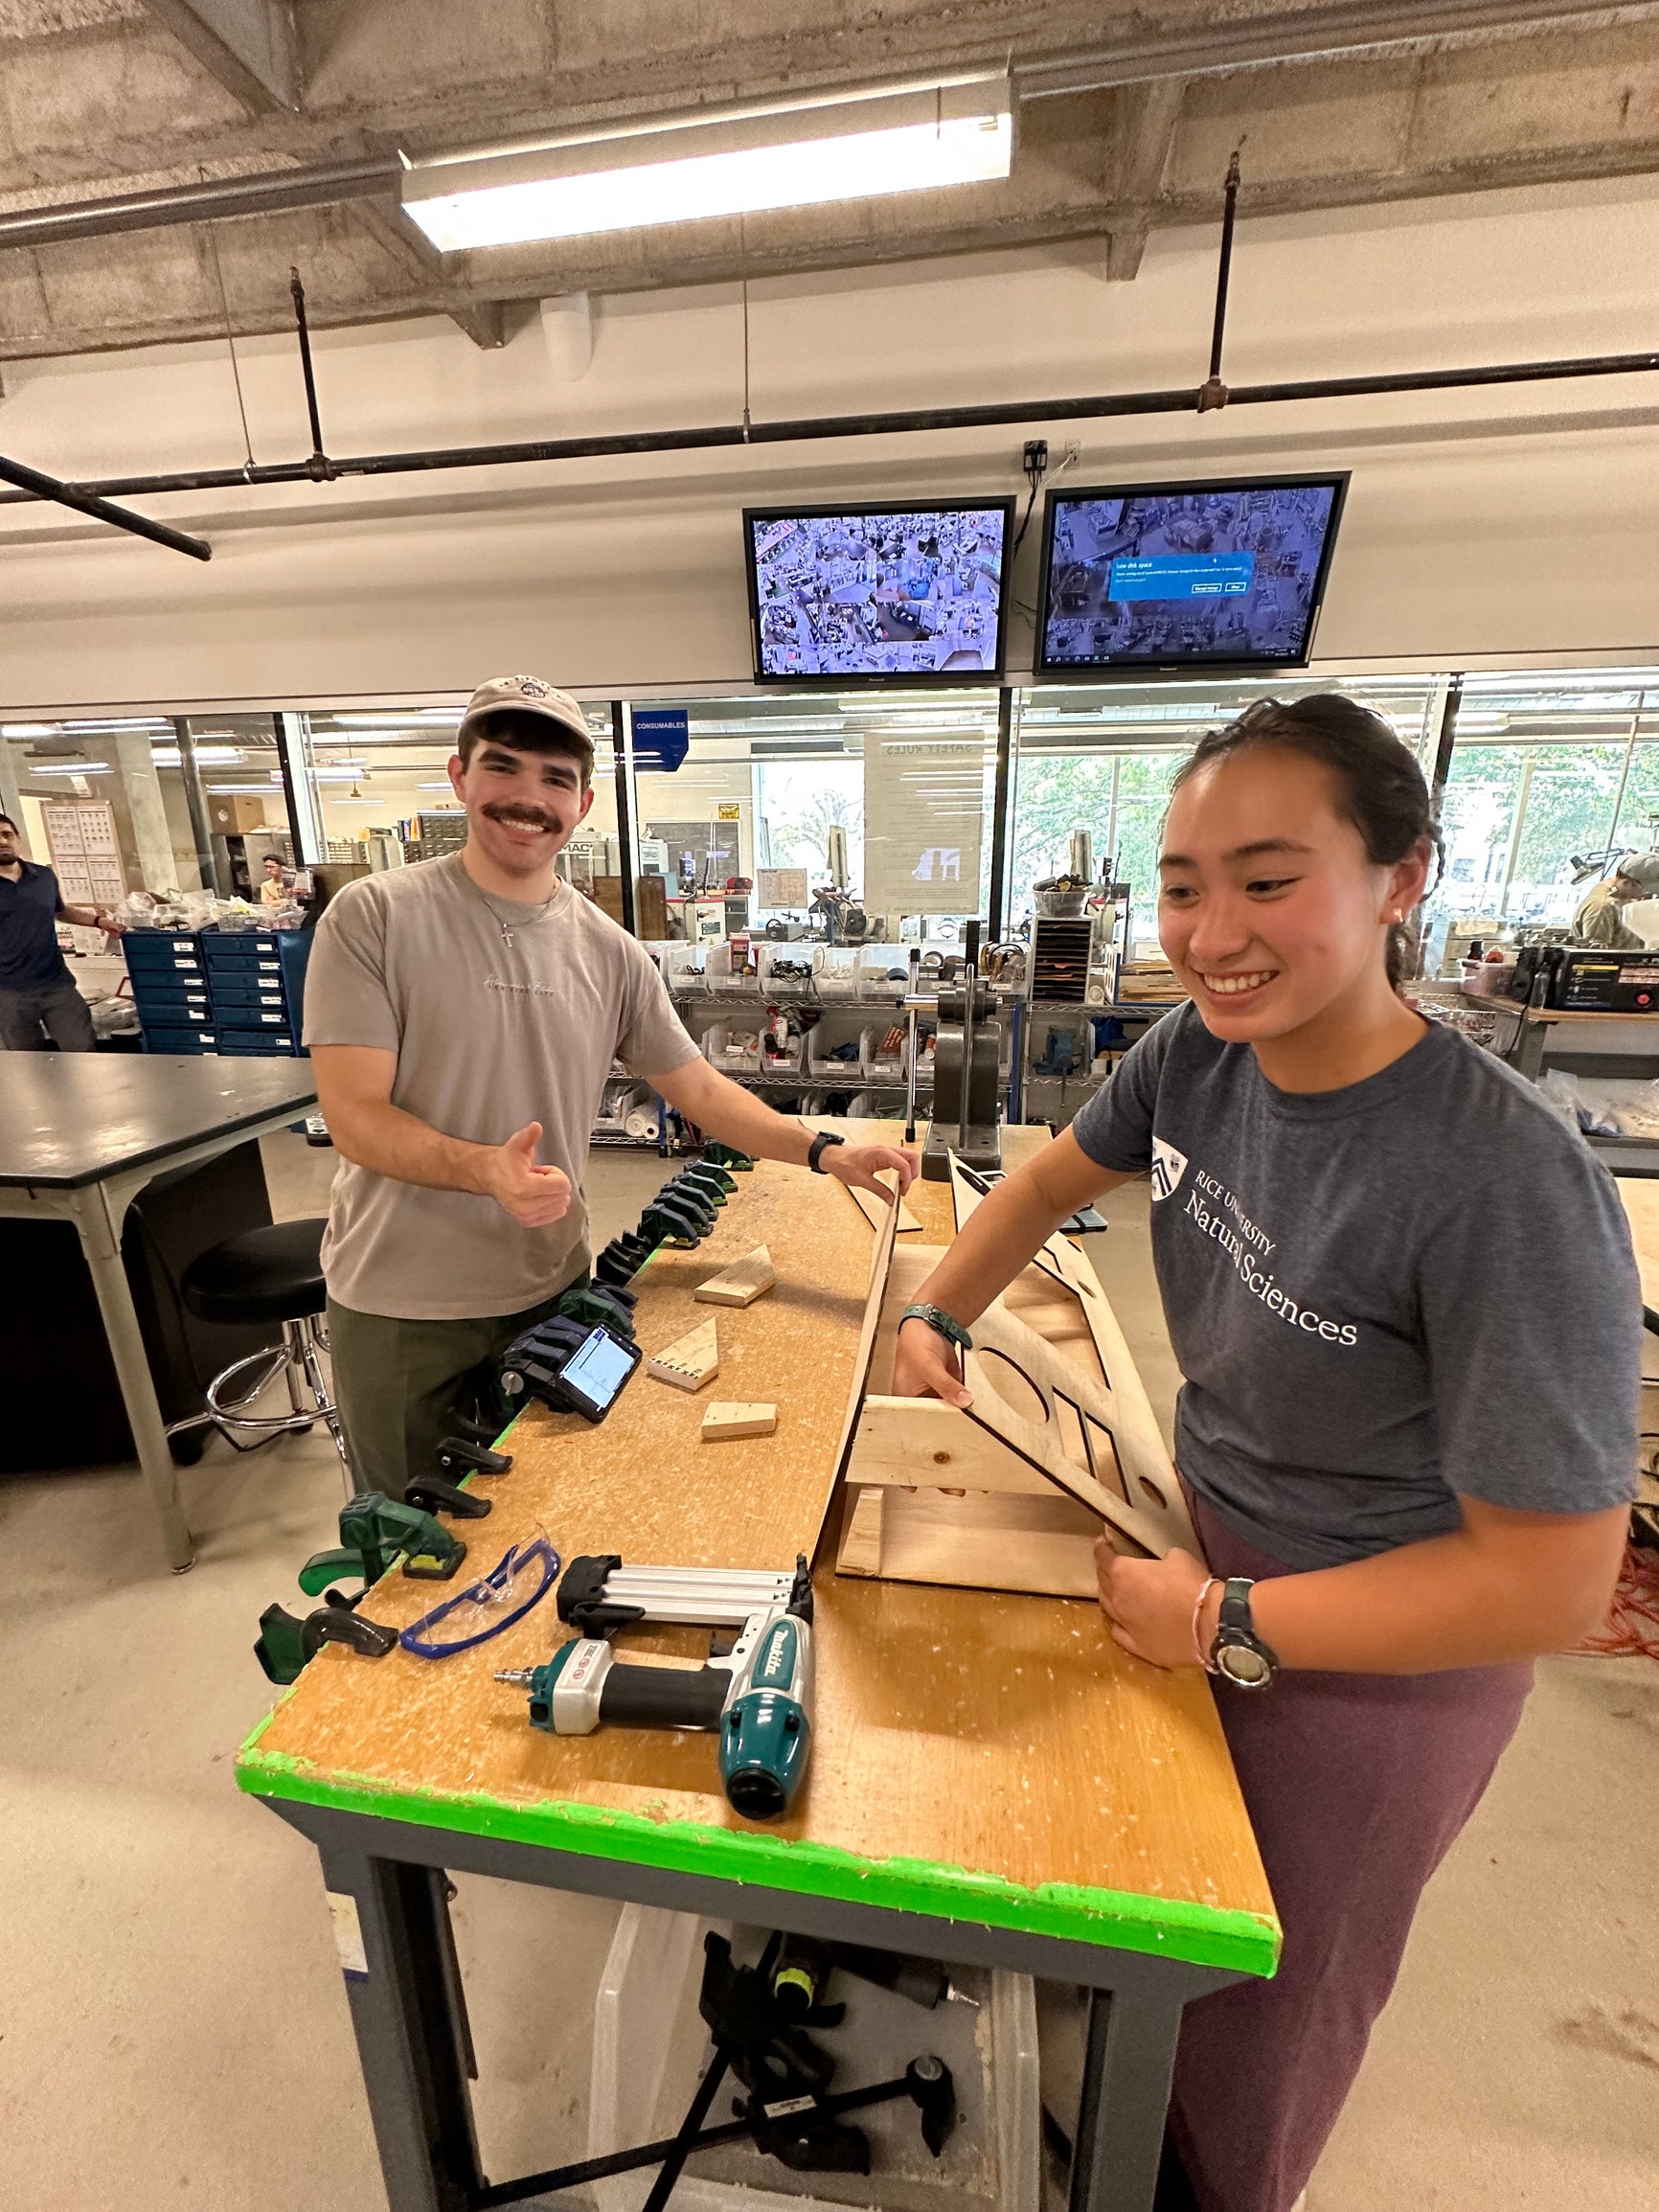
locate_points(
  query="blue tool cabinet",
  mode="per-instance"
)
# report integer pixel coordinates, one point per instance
(219, 991)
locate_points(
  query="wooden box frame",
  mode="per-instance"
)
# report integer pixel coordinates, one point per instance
(1059, 1446)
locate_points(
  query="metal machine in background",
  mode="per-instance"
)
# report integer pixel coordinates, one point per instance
(1586, 979)
(966, 1071)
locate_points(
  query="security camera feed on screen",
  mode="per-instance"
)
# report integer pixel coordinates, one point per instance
(1163, 575)
(913, 594)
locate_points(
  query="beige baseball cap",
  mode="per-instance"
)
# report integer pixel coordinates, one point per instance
(529, 695)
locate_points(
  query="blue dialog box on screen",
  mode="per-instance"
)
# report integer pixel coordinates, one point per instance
(1183, 575)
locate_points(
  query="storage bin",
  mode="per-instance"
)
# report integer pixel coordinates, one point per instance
(682, 965)
(785, 971)
(874, 982)
(721, 1049)
(879, 1065)
(826, 1038)
(649, 2044)
(789, 1062)
(721, 973)
(835, 971)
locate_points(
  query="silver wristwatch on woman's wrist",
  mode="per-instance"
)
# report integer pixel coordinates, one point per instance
(1238, 1651)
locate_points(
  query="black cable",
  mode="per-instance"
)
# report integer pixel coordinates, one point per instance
(1035, 472)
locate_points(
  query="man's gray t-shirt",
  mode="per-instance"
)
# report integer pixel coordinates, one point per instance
(489, 1037)
(1380, 1297)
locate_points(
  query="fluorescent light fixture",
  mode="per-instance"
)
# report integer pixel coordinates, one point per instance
(206, 756)
(28, 729)
(742, 160)
(126, 722)
(67, 768)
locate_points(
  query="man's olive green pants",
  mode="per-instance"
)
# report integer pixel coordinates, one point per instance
(398, 1384)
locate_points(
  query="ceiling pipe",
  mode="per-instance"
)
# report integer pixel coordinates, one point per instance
(35, 484)
(274, 193)
(623, 445)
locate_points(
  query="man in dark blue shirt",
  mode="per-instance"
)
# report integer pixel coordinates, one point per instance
(38, 995)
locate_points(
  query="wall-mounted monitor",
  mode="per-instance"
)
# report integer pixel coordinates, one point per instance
(909, 593)
(1141, 576)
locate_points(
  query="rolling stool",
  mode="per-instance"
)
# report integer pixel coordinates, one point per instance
(273, 1273)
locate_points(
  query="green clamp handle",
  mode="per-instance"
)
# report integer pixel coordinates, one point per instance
(325, 1568)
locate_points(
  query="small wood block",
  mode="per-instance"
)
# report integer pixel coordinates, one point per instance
(691, 1360)
(742, 1282)
(723, 1418)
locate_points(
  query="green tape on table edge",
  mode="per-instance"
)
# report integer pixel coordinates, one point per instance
(1166, 1927)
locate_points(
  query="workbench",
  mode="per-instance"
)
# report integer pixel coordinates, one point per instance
(993, 1781)
(80, 1135)
(1528, 1042)
(1641, 1200)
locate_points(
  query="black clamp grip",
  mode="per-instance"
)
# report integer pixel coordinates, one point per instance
(433, 1495)
(457, 1456)
(334, 1625)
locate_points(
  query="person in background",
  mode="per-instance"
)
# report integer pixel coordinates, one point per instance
(1601, 918)
(1410, 1479)
(37, 995)
(463, 1016)
(276, 889)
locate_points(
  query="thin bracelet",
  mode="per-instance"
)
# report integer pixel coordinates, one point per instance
(1197, 1608)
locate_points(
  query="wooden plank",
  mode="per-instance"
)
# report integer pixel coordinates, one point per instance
(1043, 1545)
(690, 1360)
(860, 1552)
(880, 1267)
(917, 1441)
(741, 1283)
(724, 1420)
(872, 1207)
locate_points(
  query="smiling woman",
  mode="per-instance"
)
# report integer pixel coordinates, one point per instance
(1298, 840)
(1406, 1486)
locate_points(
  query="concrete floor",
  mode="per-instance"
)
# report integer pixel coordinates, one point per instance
(173, 2030)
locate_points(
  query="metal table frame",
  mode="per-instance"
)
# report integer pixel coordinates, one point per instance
(409, 2010)
(98, 1209)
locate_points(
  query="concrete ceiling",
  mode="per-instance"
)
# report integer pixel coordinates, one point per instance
(1127, 119)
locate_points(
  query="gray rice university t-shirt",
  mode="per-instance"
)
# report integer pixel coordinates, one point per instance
(489, 1036)
(1381, 1296)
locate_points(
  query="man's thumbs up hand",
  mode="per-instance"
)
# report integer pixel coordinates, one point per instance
(534, 1197)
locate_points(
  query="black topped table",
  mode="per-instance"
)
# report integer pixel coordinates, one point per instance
(81, 1134)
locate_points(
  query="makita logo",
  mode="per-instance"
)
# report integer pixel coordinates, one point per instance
(1168, 1166)
(777, 1654)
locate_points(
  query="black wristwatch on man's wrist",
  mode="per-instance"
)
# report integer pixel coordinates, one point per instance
(815, 1151)
(1238, 1651)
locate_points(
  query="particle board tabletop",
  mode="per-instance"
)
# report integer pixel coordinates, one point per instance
(976, 1756)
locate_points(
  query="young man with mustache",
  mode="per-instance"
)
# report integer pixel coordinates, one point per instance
(463, 1016)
